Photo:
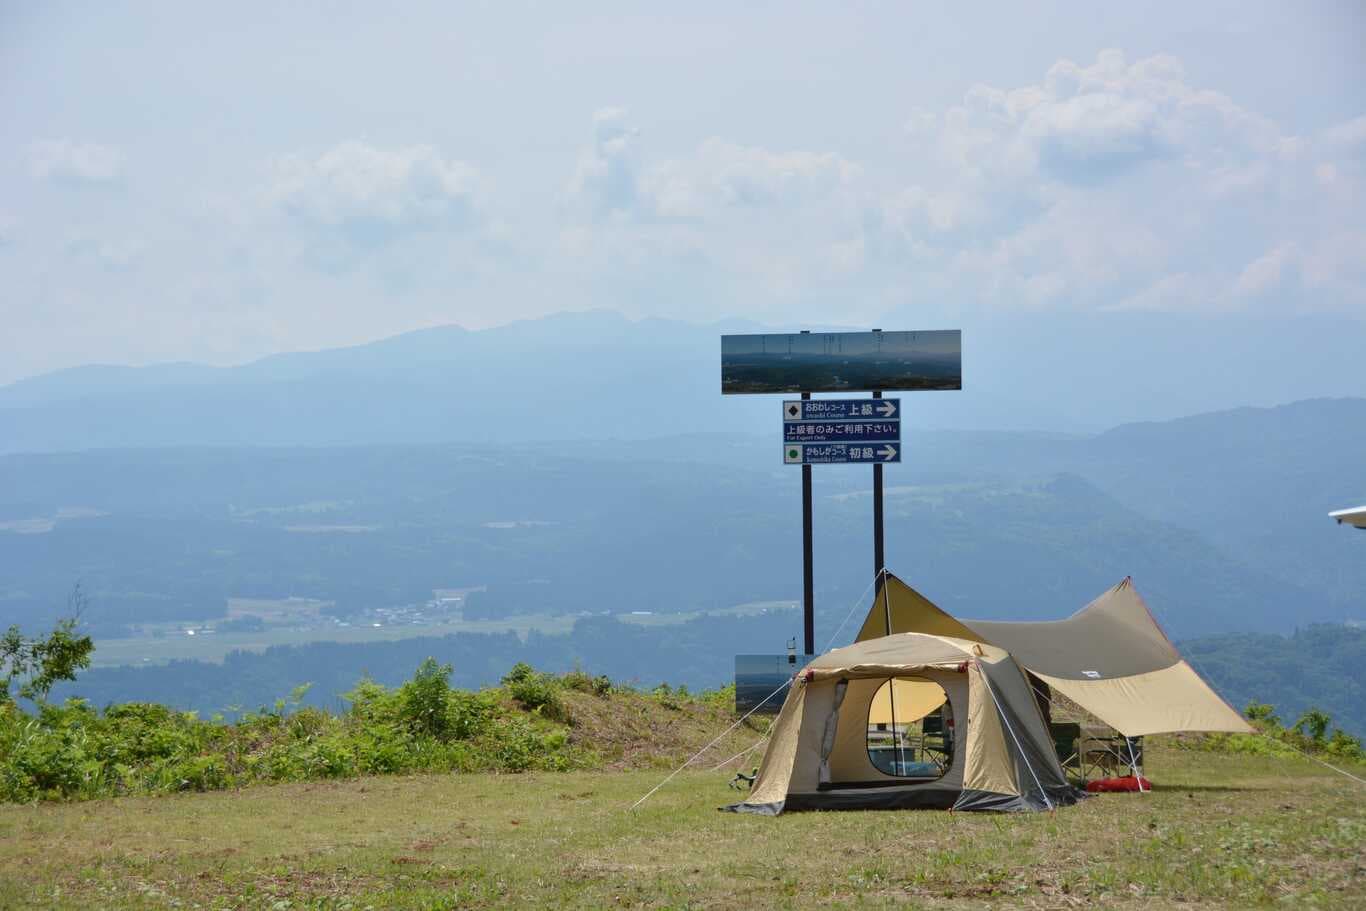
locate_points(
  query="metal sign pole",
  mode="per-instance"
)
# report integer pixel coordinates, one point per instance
(878, 561)
(808, 578)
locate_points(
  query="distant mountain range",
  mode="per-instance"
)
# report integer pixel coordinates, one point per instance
(598, 375)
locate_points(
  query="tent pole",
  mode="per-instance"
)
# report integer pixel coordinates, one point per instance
(891, 681)
(886, 601)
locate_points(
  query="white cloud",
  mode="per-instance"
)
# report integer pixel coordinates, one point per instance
(371, 194)
(605, 179)
(1348, 138)
(1268, 272)
(724, 175)
(1124, 185)
(1113, 185)
(61, 159)
(724, 221)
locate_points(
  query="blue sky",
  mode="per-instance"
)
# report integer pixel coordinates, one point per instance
(220, 183)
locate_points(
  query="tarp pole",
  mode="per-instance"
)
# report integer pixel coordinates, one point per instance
(1133, 763)
(891, 681)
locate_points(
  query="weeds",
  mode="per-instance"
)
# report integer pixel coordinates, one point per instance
(1309, 734)
(73, 752)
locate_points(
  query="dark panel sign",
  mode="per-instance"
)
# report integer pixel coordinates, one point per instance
(841, 361)
(757, 676)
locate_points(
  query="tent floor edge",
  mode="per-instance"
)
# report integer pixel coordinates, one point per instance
(991, 802)
(867, 799)
(758, 809)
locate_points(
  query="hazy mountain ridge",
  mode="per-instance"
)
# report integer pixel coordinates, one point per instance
(597, 374)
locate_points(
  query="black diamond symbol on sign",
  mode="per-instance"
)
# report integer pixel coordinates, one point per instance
(792, 410)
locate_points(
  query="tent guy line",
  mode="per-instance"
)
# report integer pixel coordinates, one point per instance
(853, 607)
(694, 756)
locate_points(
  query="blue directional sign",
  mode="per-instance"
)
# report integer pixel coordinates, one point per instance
(841, 453)
(835, 431)
(827, 410)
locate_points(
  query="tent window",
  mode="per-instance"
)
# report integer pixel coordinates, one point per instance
(910, 729)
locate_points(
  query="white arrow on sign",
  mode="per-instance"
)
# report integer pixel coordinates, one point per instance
(887, 452)
(887, 409)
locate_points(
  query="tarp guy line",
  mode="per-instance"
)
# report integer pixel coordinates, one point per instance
(738, 755)
(785, 684)
(852, 608)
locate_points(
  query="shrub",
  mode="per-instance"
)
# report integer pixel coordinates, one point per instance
(424, 700)
(586, 683)
(71, 751)
(669, 697)
(469, 713)
(536, 692)
(1308, 735)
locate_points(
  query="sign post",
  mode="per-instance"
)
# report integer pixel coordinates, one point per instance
(840, 431)
(808, 573)
(878, 563)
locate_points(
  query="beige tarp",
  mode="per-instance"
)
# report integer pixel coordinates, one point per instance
(914, 699)
(1110, 657)
(1158, 702)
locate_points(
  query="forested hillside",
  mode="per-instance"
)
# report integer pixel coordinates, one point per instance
(1217, 533)
(1316, 667)
(1202, 513)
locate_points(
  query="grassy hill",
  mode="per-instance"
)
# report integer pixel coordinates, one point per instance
(1218, 831)
(521, 796)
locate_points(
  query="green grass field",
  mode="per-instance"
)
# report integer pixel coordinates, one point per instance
(1219, 831)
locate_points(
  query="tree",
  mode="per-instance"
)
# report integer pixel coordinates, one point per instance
(1314, 724)
(37, 664)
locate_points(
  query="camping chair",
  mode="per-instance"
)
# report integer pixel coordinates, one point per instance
(1066, 737)
(1098, 754)
(741, 780)
(934, 740)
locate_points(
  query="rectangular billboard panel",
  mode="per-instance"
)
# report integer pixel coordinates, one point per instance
(841, 361)
(757, 676)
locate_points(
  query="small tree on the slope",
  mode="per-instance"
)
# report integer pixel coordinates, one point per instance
(35, 665)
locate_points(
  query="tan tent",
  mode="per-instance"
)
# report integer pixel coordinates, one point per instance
(1111, 658)
(855, 732)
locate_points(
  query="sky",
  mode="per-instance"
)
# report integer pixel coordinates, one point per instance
(218, 183)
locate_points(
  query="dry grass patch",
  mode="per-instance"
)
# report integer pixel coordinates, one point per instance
(1219, 832)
